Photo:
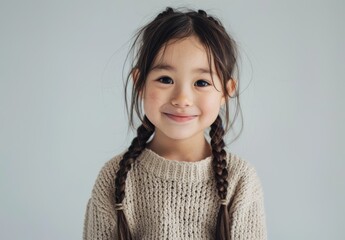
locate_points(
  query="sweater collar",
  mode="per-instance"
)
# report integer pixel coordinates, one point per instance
(176, 170)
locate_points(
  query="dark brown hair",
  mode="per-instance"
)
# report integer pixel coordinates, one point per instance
(221, 48)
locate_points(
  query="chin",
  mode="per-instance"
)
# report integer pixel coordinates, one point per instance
(180, 135)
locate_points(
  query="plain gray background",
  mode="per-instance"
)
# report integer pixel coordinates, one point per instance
(62, 114)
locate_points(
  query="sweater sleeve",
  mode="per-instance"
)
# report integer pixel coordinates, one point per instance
(97, 224)
(248, 221)
(100, 220)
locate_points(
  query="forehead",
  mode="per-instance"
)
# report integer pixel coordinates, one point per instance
(184, 52)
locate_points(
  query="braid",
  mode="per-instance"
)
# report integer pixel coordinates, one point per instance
(221, 175)
(138, 144)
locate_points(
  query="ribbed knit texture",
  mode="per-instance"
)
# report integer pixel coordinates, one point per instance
(167, 199)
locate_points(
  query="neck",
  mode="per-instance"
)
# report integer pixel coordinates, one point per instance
(187, 150)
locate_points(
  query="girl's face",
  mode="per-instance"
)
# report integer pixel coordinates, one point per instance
(180, 98)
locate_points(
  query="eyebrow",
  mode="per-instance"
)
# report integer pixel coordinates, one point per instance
(164, 66)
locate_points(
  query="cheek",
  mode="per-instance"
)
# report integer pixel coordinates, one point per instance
(211, 104)
(152, 97)
(152, 100)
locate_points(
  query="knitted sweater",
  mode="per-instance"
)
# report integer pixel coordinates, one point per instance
(168, 199)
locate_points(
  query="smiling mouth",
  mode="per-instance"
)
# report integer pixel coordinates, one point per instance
(179, 118)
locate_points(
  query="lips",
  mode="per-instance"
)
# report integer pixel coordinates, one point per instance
(180, 118)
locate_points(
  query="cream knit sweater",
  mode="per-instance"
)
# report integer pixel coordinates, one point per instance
(167, 199)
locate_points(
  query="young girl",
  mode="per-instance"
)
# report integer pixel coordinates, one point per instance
(172, 183)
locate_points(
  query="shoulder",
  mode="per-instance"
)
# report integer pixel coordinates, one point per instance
(244, 183)
(104, 188)
(241, 169)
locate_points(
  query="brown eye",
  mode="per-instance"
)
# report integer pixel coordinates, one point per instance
(166, 80)
(201, 83)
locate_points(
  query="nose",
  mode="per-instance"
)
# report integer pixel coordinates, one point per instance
(182, 98)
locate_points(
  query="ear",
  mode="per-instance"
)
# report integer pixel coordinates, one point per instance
(231, 87)
(135, 75)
